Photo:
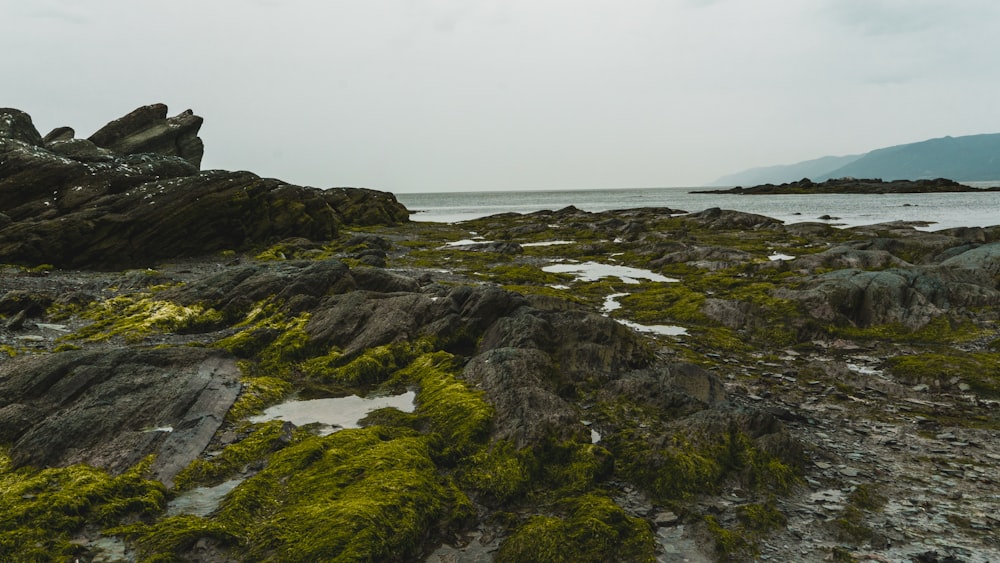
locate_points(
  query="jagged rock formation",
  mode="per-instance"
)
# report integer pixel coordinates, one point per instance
(132, 194)
(149, 130)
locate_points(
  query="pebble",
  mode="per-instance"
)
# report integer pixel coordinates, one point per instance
(665, 518)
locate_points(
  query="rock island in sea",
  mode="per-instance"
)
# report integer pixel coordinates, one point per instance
(832, 394)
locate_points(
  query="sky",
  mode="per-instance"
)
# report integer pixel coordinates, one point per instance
(463, 95)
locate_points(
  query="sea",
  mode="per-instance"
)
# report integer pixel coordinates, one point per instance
(936, 211)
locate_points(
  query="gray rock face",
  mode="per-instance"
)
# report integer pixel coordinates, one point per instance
(112, 408)
(910, 297)
(149, 130)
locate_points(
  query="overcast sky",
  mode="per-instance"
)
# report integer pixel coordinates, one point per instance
(462, 95)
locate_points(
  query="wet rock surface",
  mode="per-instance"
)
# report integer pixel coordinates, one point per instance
(111, 408)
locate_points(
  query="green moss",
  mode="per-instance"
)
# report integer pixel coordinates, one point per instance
(980, 370)
(761, 518)
(867, 497)
(258, 393)
(460, 418)
(731, 544)
(593, 529)
(356, 495)
(136, 316)
(40, 510)
(850, 527)
(522, 274)
(499, 472)
(165, 541)
(373, 366)
(665, 303)
(686, 466)
(271, 338)
(939, 330)
(570, 467)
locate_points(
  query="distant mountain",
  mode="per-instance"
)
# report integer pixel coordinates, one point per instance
(782, 173)
(965, 159)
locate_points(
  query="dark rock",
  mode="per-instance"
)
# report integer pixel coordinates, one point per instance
(148, 130)
(236, 290)
(187, 216)
(17, 125)
(81, 150)
(111, 408)
(911, 297)
(59, 134)
(841, 257)
(851, 186)
(32, 303)
(527, 409)
(679, 389)
(132, 194)
(716, 218)
(363, 207)
(16, 322)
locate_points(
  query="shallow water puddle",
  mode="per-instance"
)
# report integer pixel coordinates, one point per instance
(611, 304)
(201, 501)
(335, 414)
(547, 243)
(593, 271)
(665, 330)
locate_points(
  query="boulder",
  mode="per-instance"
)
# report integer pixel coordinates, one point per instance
(111, 408)
(527, 409)
(149, 130)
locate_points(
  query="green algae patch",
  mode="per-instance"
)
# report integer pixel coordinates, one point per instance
(682, 466)
(371, 367)
(356, 495)
(257, 394)
(460, 418)
(731, 544)
(499, 472)
(741, 541)
(136, 316)
(40, 510)
(980, 370)
(170, 537)
(271, 337)
(590, 528)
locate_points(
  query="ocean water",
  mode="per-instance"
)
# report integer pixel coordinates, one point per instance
(940, 210)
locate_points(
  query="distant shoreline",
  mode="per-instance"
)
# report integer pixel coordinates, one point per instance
(853, 186)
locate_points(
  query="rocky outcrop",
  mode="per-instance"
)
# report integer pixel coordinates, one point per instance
(132, 194)
(149, 130)
(365, 207)
(111, 408)
(910, 297)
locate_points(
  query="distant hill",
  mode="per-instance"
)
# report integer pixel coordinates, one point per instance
(965, 159)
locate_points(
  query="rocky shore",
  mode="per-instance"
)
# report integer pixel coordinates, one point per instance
(633, 385)
(854, 186)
